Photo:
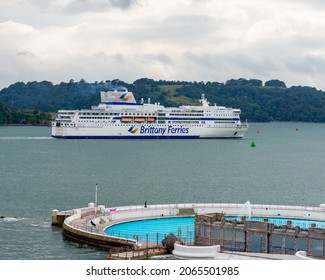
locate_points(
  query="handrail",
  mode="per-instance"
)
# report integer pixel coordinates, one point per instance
(215, 205)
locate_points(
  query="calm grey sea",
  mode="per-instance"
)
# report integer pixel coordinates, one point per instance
(38, 174)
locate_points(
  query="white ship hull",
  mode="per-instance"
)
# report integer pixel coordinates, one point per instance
(148, 132)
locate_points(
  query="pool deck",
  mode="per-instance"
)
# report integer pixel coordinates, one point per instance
(87, 224)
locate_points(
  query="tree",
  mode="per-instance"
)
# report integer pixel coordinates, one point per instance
(275, 83)
(5, 116)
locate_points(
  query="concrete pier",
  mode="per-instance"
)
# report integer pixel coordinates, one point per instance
(59, 217)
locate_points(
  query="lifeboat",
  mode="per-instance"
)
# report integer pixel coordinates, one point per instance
(150, 119)
(139, 119)
(126, 119)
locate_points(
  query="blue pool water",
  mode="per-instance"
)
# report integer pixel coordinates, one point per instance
(155, 230)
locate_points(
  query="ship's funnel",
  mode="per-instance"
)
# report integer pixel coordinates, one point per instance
(117, 97)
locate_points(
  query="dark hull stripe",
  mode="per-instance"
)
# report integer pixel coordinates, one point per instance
(141, 137)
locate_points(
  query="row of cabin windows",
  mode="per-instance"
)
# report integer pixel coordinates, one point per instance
(98, 114)
(137, 114)
(219, 115)
(144, 114)
(90, 118)
(179, 111)
(91, 115)
(172, 114)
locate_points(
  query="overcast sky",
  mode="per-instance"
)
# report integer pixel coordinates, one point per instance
(192, 40)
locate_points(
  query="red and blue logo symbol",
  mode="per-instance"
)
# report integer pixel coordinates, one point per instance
(133, 129)
(125, 97)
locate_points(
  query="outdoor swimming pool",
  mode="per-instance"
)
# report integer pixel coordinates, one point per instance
(155, 230)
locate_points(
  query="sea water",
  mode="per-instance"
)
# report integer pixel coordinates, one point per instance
(39, 174)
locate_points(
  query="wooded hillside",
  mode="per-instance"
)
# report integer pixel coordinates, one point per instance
(271, 101)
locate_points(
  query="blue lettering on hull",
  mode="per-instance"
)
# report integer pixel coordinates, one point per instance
(163, 130)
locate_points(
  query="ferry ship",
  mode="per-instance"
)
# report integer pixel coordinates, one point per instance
(119, 116)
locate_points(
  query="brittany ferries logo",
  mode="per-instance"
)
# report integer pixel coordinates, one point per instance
(125, 97)
(159, 130)
(133, 129)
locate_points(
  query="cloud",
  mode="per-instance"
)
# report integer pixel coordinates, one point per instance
(80, 6)
(179, 40)
(309, 65)
(25, 53)
(241, 65)
(315, 4)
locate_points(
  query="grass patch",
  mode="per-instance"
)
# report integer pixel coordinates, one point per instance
(176, 98)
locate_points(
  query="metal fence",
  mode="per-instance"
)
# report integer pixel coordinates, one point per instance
(155, 240)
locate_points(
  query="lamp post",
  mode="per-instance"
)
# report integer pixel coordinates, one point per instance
(96, 198)
(96, 190)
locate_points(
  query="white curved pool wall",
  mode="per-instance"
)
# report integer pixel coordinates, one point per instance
(196, 251)
(152, 211)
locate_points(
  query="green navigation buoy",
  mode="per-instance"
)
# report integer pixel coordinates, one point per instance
(253, 145)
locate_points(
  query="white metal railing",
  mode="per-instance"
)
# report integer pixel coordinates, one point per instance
(215, 205)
